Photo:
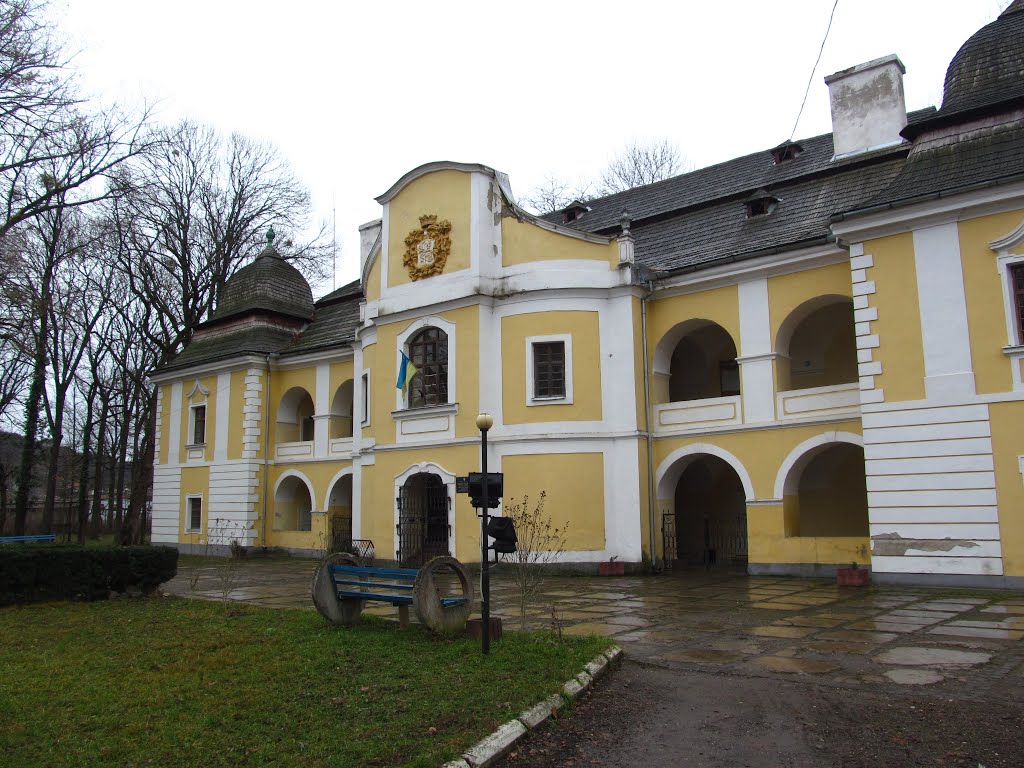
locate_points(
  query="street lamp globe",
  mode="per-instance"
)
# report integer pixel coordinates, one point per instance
(484, 422)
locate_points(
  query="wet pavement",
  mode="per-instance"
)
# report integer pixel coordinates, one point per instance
(723, 621)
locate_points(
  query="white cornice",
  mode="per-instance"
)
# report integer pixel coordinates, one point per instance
(750, 269)
(1010, 240)
(217, 366)
(930, 213)
(339, 353)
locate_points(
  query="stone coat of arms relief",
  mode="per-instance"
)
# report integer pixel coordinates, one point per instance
(427, 249)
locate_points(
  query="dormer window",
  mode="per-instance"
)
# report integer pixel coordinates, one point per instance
(787, 150)
(574, 211)
(761, 203)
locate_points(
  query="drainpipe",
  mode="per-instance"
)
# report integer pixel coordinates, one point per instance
(651, 501)
(266, 458)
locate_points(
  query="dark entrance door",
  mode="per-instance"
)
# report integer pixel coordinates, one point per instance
(423, 526)
(710, 520)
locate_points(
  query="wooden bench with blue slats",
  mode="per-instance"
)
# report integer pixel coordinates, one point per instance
(341, 586)
(42, 537)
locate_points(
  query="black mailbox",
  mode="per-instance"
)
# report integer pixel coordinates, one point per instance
(495, 489)
(503, 531)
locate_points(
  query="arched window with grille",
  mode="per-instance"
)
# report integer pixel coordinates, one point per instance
(428, 351)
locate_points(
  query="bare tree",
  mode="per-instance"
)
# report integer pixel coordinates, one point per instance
(554, 194)
(540, 544)
(50, 147)
(639, 163)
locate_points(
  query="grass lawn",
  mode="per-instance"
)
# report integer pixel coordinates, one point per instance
(177, 682)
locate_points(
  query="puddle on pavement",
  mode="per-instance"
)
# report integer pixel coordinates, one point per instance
(927, 657)
(988, 634)
(914, 676)
(840, 646)
(779, 606)
(795, 666)
(1005, 608)
(885, 626)
(782, 631)
(857, 636)
(702, 656)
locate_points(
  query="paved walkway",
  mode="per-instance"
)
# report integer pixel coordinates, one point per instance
(726, 621)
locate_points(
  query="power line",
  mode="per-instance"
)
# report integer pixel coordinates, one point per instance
(814, 69)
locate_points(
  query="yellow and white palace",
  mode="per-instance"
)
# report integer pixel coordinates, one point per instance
(795, 360)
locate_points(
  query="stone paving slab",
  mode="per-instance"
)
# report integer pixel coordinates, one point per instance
(721, 618)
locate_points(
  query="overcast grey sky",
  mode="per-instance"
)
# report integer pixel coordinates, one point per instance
(356, 94)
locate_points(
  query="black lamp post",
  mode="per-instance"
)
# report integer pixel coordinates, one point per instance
(484, 422)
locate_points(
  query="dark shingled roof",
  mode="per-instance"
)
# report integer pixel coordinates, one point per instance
(699, 218)
(740, 176)
(982, 157)
(335, 325)
(260, 339)
(723, 232)
(987, 73)
(270, 284)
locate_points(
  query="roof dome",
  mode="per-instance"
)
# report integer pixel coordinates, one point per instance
(989, 68)
(270, 283)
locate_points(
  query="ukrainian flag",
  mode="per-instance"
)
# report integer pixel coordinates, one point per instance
(405, 373)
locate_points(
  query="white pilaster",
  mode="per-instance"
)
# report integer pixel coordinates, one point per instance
(174, 433)
(949, 373)
(756, 380)
(322, 408)
(220, 433)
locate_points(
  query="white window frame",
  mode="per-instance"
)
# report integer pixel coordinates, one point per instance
(1014, 349)
(402, 345)
(531, 399)
(364, 383)
(192, 424)
(188, 513)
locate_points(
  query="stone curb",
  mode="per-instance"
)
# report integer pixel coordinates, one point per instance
(492, 748)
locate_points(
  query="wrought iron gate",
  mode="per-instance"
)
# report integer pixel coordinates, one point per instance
(668, 539)
(423, 527)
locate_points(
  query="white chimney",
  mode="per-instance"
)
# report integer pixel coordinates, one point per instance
(868, 107)
(368, 234)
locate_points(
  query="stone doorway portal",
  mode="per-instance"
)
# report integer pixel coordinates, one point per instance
(423, 526)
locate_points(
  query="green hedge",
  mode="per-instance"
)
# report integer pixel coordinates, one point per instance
(35, 572)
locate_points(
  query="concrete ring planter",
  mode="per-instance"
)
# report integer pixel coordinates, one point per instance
(426, 597)
(337, 611)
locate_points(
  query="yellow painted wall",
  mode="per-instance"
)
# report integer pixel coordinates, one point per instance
(372, 288)
(899, 318)
(445, 194)
(319, 474)
(1007, 420)
(370, 430)
(766, 545)
(280, 382)
(167, 408)
(986, 313)
(465, 373)
(378, 497)
(195, 481)
(209, 383)
(762, 452)
(574, 486)
(523, 242)
(788, 292)
(584, 327)
(719, 305)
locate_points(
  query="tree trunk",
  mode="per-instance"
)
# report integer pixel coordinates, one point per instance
(28, 443)
(50, 500)
(97, 482)
(83, 475)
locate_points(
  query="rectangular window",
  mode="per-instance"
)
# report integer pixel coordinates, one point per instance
(366, 398)
(195, 513)
(549, 369)
(1017, 286)
(729, 377)
(199, 425)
